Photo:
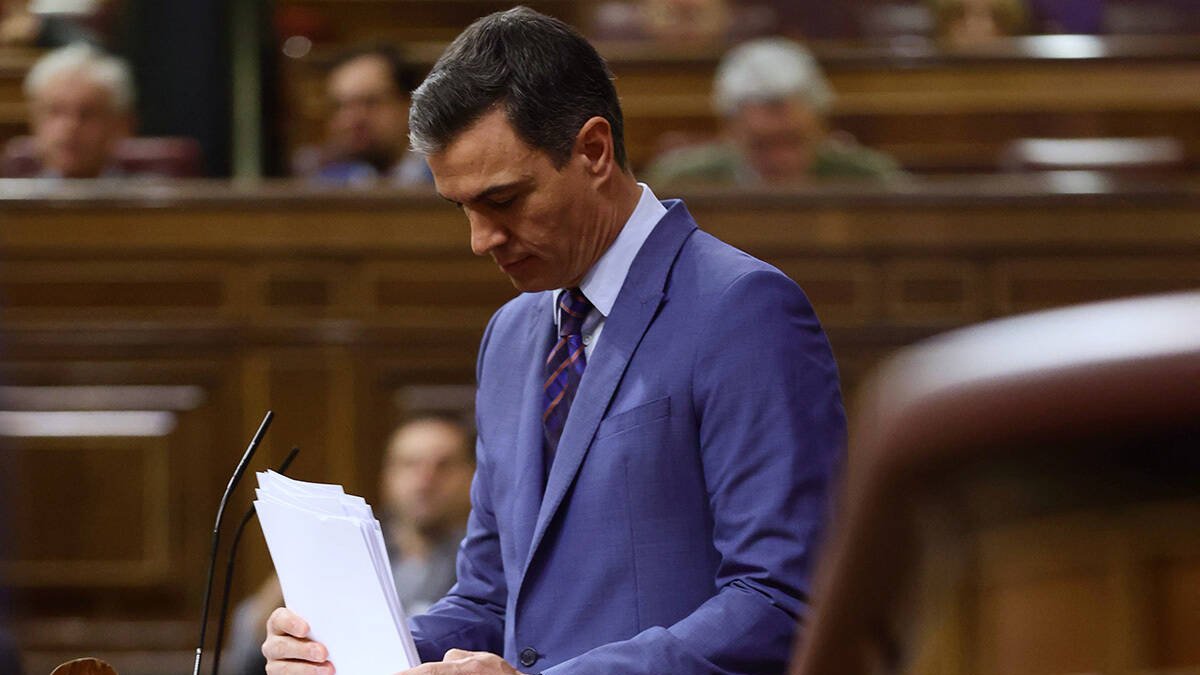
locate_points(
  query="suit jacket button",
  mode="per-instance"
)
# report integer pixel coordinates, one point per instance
(529, 656)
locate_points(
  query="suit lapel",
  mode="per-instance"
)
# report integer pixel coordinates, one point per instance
(636, 306)
(530, 457)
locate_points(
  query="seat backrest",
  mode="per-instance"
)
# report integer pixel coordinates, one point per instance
(1022, 497)
(169, 156)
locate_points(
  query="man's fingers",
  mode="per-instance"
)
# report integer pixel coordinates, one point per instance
(299, 668)
(285, 648)
(284, 621)
(438, 668)
(461, 662)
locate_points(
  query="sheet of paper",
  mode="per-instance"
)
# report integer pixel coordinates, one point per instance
(333, 566)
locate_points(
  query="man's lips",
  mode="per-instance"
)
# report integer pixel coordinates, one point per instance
(511, 264)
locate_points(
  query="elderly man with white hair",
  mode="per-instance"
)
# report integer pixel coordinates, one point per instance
(773, 102)
(80, 106)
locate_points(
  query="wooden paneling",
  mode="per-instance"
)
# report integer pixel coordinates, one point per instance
(1176, 588)
(332, 309)
(1099, 591)
(845, 290)
(1024, 285)
(933, 290)
(110, 456)
(77, 487)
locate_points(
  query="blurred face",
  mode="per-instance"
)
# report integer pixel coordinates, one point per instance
(370, 115)
(543, 226)
(778, 138)
(75, 125)
(687, 19)
(427, 476)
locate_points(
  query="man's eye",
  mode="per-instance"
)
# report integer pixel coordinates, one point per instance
(501, 203)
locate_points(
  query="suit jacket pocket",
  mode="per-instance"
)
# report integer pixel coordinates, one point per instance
(634, 417)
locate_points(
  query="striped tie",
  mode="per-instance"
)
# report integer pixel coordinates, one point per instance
(564, 367)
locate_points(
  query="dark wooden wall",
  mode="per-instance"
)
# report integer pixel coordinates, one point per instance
(190, 309)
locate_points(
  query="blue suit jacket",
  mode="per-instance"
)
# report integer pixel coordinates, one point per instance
(676, 529)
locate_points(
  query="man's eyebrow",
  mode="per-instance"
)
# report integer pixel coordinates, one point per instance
(488, 192)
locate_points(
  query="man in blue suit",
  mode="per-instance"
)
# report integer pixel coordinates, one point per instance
(659, 417)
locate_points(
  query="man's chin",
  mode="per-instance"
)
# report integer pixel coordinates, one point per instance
(532, 286)
(522, 277)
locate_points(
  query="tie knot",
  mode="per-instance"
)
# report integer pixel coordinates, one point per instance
(575, 308)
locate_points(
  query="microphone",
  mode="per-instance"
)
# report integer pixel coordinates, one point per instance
(216, 536)
(233, 547)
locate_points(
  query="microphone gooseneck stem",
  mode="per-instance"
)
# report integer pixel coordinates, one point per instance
(216, 535)
(233, 547)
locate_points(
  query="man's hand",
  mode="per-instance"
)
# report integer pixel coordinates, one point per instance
(460, 662)
(288, 649)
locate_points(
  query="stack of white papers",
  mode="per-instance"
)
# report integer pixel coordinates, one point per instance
(329, 553)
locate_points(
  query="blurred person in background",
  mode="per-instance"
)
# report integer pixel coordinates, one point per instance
(970, 23)
(688, 22)
(667, 20)
(682, 22)
(367, 142)
(55, 23)
(426, 486)
(80, 107)
(773, 102)
(424, 498)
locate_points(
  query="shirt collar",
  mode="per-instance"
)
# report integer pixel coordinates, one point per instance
(604, 280)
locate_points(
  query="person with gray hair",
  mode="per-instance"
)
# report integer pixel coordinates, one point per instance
(773, 102)
(80, 107)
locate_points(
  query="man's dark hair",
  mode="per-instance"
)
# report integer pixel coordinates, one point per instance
(547, 76)
(405, 76)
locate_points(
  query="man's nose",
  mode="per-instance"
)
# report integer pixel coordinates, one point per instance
(486, 234)
(425, 477)
(66, 122)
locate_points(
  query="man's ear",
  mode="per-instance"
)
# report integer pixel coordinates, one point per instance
(594, 143)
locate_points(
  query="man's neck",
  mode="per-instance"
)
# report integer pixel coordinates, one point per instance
(626, 197)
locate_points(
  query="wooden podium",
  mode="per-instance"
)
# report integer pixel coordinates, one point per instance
(1023, 497)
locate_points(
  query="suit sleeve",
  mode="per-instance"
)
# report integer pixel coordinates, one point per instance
(772, 435)
(471, 615)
